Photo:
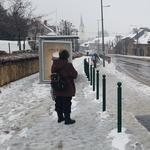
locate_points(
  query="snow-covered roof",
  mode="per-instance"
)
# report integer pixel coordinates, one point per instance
(132, 34)
(86, 44)
(48, 28)
(144, 38)
(52, 33)
(60, 37)
(107, 39)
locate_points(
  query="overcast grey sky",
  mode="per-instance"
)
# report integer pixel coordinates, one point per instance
(118, 18)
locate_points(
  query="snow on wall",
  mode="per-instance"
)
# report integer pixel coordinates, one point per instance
(4, 46)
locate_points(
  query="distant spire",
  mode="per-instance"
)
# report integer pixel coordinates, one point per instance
(81, 22)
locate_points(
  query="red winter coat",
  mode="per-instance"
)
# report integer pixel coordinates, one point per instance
(69, 73)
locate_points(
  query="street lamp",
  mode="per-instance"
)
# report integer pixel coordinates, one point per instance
(103, 46)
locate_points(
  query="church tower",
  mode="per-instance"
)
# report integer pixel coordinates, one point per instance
(82, 29)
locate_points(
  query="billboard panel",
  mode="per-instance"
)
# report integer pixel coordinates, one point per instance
(49, 50)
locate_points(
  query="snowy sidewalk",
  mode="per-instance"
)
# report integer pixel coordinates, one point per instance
(28, 120)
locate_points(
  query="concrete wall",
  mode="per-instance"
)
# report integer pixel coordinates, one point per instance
(12, 71)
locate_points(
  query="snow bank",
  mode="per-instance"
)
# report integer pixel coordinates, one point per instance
(119, 139)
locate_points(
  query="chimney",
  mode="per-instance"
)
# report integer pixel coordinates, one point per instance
(45, 22)
(145, 33)
(134, 30)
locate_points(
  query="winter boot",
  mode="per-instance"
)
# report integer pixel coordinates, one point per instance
(68, 120)
(60, 117)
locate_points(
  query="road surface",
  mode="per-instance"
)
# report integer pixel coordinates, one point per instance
(137, 68)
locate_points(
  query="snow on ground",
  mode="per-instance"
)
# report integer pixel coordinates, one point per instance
(4, 46)
(131, 56)
(28, 120)
(123, 137)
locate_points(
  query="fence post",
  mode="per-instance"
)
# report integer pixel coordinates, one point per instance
(119, 107)
(104, 93)
(93, 78)
(91, 74)
(9, 47)
(97, 89)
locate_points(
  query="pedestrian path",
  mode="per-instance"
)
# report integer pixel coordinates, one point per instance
(29, 122)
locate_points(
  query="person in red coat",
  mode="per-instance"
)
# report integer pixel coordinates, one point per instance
(63, 98)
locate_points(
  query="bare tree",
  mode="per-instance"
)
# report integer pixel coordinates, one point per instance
(23, 19)
(2, 10)
(3, 21)
(36, 28)
(66, 28)
(18, 19)
(20, 14)
(106, 34)
(3, 14)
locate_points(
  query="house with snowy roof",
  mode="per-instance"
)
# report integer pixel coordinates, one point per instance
(135, 43)
(40, 29)
(96, 44)
(144, 43)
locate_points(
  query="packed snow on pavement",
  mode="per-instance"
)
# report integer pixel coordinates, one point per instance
(28, 120)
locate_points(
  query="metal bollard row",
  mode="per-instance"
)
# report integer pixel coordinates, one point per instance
(90, 73)
(119, 109)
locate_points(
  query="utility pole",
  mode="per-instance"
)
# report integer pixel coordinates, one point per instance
(137, 42)
(56, 22)
(103, 47)
(98, 51)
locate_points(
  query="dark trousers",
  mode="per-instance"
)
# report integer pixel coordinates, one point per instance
(94, 62)
(63, 104)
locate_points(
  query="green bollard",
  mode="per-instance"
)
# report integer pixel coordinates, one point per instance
(119, 107)
(93, 78)
(97, 89)
(88, 74)
(91, 74)
(86, 68)
(84, 65)
(104, 93)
